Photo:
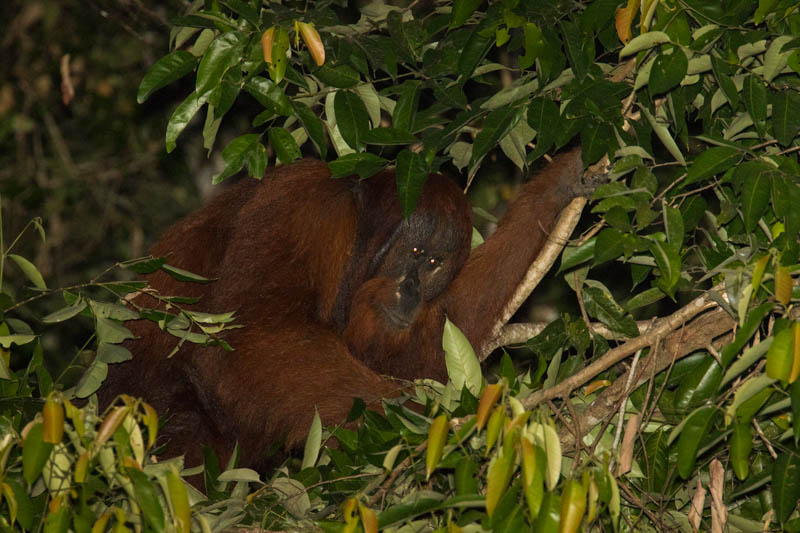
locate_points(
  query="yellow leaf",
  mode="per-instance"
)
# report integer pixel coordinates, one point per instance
(494, 427)
(110, 424)
(758, 272)
(783, 285)
(780, 355)
(179, 497)
(497, 478)
(313, 42)
(368, 519)
(81, 466)
(573, 506)
(53, 421)
(150, 420)
(491, 393)
(594, 385)
(437, 437)
(624, 18)
(267, 38)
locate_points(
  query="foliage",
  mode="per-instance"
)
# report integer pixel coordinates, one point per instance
(688, 266)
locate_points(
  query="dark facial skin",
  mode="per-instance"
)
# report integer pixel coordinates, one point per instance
(422, 262)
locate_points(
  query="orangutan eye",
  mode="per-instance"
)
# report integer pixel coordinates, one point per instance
(416, 251)
(432, 262)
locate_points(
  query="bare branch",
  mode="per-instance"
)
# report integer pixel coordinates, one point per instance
(521, 332)
(558, 239)
(660, 330)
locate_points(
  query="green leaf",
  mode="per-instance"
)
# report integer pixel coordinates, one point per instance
(785, 116)
(111, 331)
(644, 41)
(24, 504)
(112, 310)
(755, 195)
(765, 7)
(169, 68)
(113, 353)
(235, 156)
(462, 10)
(30, 271)
(91, 379)
(656, 451)
(223, 53)
(184, 275)
(65, 313)
(406, 107)
(750, 398)
(599, 305)
(741, 445)
(712, 162)
(411, 173)
(699, 386)
(181, 116)
(668, 70)
(668, 260)
(535, 45)
(673, 224)
(402, 512)
(474, 51)
(498, 476)
(780, 356)
(595, 138)
(496, 126)
(694, 430)
(280, 45)
(364, 164)
(580, 49)
(754, 94)
(58, 521)
(34, 454)
(543, 115)
(340, 76)
(725, 82)
(284, 144)
(794, 393)
(750, 326)
(144, 266)
(256, 160)
(269, 95)
(609, 246)
(313, 442)
(465, 480)
(313, 126)
(351, 118)
(463, 367)
(147, 498)
(549, 514)
(388, 136)
(574, 256)
(242, 8)
(786, 483)
(644, 298)
(19, 339)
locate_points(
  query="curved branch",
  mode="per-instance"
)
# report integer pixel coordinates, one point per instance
(659, 331)
(521, 332)
(556, 242)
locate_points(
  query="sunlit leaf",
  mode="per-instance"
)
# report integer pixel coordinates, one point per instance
(463, 366)
(166, 70)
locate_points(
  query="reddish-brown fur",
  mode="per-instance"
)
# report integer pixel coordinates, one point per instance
(310, 265)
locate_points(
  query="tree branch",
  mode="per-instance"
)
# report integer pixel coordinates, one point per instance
(659, 331)
(556, 242)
